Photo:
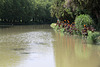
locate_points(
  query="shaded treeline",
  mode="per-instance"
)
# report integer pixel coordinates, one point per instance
(25, 11)
(70, 9)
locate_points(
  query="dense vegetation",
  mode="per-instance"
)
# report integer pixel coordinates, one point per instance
(79, 17)
(82, 20)
(70, 9)
(40, 11)
(25, 11)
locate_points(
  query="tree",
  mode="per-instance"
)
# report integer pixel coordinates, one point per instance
(17, 11)
(91, 7)
(72, 8)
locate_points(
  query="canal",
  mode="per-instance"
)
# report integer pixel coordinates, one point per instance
(41, 46)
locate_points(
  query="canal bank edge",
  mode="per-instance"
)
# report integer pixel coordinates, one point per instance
(93, 38)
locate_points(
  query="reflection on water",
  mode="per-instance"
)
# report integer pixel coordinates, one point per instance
(24, 46)
(73, 52)
(40, 46)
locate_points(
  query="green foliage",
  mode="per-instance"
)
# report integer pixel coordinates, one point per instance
(57, 8)
(62, 30)
(53, 25)
(93, 37)
(82, 20)
(26, 11)
(91, 7)
(69, 9)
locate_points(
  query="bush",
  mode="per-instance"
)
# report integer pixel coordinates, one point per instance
(82, 20)
(53, 25)
(93, 37)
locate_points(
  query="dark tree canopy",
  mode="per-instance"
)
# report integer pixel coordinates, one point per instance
(18, 11)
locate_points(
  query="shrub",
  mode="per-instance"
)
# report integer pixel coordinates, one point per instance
(82, 20)
(53, 25)
(93, 37)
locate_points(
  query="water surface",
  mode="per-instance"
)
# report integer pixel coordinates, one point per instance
(73, 51)
(26, 46)
(40, 46)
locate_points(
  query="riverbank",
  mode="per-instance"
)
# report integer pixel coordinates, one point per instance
(93, 37)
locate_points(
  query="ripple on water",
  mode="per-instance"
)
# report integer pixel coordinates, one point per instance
(28, 52)
(18, 49)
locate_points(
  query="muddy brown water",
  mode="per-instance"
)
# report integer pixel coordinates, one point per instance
(40, 46)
